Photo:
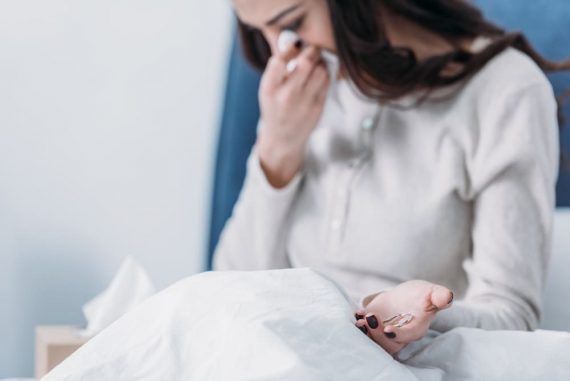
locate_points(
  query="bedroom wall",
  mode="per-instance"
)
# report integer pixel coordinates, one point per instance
(108, 116)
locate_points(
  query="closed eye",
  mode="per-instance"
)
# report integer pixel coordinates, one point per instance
(295, 25)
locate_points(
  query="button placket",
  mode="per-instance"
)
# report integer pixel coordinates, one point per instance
(338, 215)
(347, 172)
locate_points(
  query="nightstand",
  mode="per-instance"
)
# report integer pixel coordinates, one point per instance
(53, 345)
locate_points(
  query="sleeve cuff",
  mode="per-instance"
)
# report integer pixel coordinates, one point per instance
(258, 176)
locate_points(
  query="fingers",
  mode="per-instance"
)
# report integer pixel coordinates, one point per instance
(317, 84)
(289, 47)
(393, 333)
(361, 325)
(372, 327)
(276, 70)
(405, 334)
(274, 76)
(306, 63)
(309, 74)
(359, 314)
(440, 298)
(393, 330)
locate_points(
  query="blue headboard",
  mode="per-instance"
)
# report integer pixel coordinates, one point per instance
(545, 22)
(236, 137)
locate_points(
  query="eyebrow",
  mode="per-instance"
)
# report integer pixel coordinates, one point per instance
(282, 14)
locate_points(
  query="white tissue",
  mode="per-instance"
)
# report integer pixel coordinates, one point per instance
(287, 38)
(331, 60)
(130, 286)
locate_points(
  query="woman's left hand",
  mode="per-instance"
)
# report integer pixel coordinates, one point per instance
(420, 298)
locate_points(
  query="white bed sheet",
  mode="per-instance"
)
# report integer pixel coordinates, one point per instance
(293, 325)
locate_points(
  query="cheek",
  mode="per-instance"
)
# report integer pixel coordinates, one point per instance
(319, 32)
(320, 39)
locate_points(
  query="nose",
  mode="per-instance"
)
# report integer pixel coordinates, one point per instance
(281, 41)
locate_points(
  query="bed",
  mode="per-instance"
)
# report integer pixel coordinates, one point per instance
(293, 324)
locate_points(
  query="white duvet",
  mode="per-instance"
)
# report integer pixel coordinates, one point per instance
(293, 325)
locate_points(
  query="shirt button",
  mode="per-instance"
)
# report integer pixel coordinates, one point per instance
(368, 123)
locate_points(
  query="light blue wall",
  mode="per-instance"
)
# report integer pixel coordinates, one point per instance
(109, 111)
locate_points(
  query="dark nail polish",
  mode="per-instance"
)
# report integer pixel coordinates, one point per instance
(363, 329)
(372, 321)
(358, 316)
(299, 44)
(450, 300)
(390, 335)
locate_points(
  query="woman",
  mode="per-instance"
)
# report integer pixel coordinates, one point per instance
(428, 168)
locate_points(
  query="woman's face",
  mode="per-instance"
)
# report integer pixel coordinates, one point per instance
(310, 19)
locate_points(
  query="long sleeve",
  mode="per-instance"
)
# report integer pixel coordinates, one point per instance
(255, 235)
(512, 169)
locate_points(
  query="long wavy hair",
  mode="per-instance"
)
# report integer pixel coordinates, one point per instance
(385, 72)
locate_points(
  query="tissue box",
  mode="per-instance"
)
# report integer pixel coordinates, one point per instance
(53, 345)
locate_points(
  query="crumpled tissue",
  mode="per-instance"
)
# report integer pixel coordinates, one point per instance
(331, 60)
(130, 286)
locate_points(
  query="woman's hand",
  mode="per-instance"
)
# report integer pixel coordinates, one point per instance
(420, 298)
(291, 105)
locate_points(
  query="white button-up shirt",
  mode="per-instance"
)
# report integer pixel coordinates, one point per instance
(458, 191)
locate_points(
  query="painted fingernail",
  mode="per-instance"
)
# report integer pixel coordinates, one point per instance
(372, 321)
(363, 329)
(358, 316)
(390, 335)
(450, 300)
(299, 44)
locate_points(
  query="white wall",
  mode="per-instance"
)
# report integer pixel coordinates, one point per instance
(108, 115)
(556, 310)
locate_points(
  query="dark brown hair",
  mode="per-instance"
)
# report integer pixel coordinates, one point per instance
(385, 72)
